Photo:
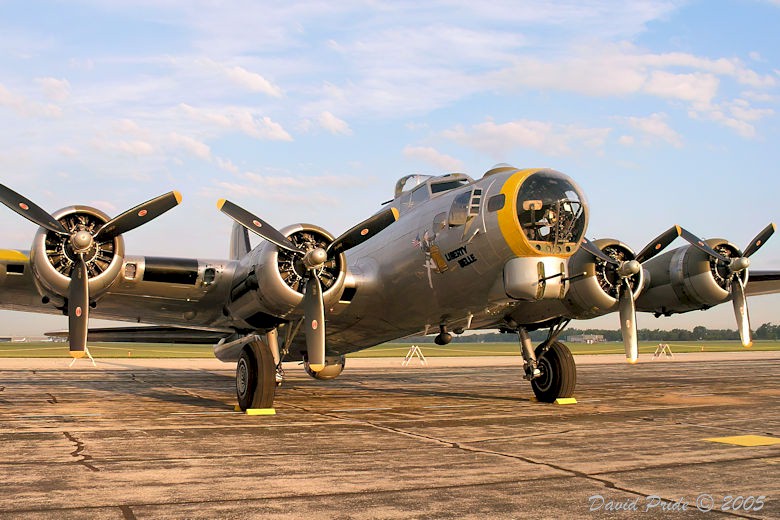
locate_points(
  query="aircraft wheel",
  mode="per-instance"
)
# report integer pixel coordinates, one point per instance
(559, 373)
(255, 377)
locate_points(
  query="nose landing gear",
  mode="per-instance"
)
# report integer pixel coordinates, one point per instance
(550, 367)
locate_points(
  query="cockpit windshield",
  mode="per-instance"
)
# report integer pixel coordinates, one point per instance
(551, 209)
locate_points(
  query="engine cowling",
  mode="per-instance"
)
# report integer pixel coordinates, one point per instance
(52, 257)
(269, 284)
(688, 279)
(595, 292)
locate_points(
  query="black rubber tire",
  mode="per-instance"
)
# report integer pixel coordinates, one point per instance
(559, 373)
(255, 377)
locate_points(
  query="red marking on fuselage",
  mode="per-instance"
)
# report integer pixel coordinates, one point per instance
(142, 213)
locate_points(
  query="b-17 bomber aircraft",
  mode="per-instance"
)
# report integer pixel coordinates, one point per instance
(446, 254)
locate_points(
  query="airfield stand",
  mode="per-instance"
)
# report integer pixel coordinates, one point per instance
(414, 351)
(662, 349)
(86, 350)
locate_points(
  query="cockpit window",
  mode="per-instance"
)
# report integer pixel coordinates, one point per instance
(551, 209)
(438, 187)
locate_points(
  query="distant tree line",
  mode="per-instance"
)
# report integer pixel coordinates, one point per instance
(700, 333)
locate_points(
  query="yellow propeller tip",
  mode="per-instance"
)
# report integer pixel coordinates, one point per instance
(177, 195)
(77, 354)
(220, 203)
(316, 368)
(395, 213)
(748, 345)
(632, 361)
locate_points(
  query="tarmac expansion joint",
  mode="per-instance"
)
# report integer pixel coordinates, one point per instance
(79, 452)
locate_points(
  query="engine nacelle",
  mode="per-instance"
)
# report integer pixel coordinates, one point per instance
(595, 292)
(334, 366)
(52, 257)
(687, 279)
(269, 283)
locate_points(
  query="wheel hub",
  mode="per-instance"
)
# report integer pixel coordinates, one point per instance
(242, 377)
(544, 381)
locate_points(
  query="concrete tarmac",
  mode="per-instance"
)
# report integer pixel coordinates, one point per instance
(456, 439)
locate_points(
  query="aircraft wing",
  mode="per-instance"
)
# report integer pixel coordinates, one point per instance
(176, 293)
(150, 334)
(763, 282)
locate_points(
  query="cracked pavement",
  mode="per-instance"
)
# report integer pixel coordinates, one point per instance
(148, 440)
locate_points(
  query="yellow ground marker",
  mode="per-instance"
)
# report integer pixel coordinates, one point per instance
(261, 411)
(747, 440)
(566, 400)
(255, 411)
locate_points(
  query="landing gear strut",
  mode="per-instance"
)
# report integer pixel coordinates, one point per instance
(256, 376)
(550, 367)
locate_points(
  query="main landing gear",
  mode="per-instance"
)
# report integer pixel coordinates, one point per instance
(550, 367)
(256, 376)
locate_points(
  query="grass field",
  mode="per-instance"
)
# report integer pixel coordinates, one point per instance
(163, 350)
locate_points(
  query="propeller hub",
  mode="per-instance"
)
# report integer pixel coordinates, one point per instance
(629, 268)
(314, 258)
(81, 241)
(739, 264)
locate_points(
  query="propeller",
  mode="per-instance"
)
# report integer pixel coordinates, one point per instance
(312, 259)
(625, 269)
(81, 241)
(734, 266)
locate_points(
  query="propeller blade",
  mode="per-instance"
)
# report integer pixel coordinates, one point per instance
(699, 243)
(363, 231)
(138, 215)
(659, 244)
(759, 240)
(78, 309)
(314, 324)
(256, 225)
(741, 310)
(31, 211)
(588, 246)
(628, 322)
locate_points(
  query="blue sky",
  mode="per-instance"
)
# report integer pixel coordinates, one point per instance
(663, 111)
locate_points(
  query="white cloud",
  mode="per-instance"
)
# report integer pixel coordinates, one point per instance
(195, 147)
(333, 124)
(742, 110)
(738, 115)
(235, 74)
(242, 119)
(25, 107)
(698, 88)
(227, 165)
(499, 140)
(432, 156)
(136, 148)
(654, 127)
(252, 81)
(55, 89)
